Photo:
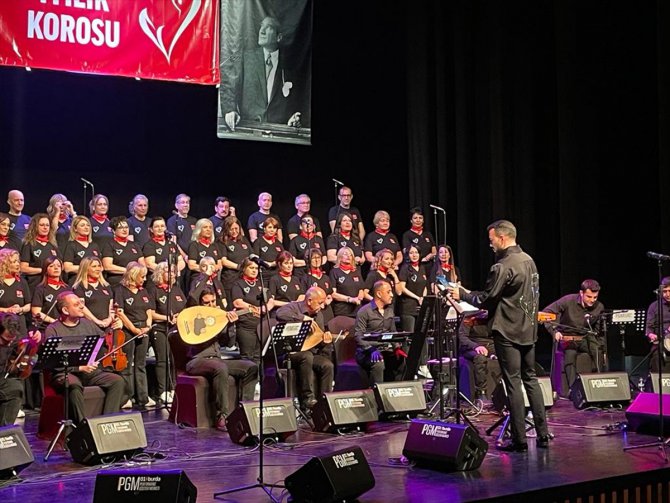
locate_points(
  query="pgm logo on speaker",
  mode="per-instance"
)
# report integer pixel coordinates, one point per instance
(114, 428)
(434, 430)
(350, 403)
(604, 383)
(666, 382)
(345, 459)
(399, 392)
(136, 484)
(7, 442)
(272, 411)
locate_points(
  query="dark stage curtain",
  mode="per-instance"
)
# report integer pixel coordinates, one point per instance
(553, 115)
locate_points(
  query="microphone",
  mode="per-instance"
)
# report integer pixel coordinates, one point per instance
(261, 263)
(658, 256)
(86, 181)
(168, 234)
(337, 182)
(437, 208)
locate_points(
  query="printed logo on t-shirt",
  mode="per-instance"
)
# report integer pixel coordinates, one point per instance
(129, 301)
(231, 247)
(118, 251)
(283, 288)
(159, 251)
(302, 246)
(137, 230)
(415, 240)
(178, 298)
(218, 230)
(413, 278)
(341, 279)
(180, 228)
(37, 253)
(264, 249)
(88, 294)
(162, 299)
(202, 254)
(49, 297)
(246, 289)
(2, 292)
(19, 294)
(380, 240)
(96, 228)
(81, 254)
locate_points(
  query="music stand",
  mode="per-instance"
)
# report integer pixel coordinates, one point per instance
(65, 352)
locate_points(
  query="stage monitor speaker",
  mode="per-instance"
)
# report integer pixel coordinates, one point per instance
(15, 453)
(345, 410)
(499, 395)
(652, 383)
(144, 486)
(107, 438)
(339, 476)
(601, 390)
(279, 421)
(643, 416)
(444, 446)
(400, 398)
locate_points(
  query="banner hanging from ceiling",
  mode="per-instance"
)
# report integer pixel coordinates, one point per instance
(266, 70)
(149, 39)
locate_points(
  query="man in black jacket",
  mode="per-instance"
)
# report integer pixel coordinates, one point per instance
(511, 296)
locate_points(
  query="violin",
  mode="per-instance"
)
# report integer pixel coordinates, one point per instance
(115, 339)
(20, 364)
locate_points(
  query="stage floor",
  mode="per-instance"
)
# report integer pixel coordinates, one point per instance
(588, 446)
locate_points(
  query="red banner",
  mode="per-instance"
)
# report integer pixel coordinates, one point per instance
(148, 39)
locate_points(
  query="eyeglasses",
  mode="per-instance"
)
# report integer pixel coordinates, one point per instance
(346, 195)
(122, 227)
(304, 202)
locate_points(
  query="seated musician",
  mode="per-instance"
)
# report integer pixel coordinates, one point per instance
(652, 332)
(381, 361)
(73, 323)
(11, 388)
(318, 360)
(476, 344)
(205, 360)
(576, 315)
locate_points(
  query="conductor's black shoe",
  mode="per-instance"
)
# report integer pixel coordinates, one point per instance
(542, 441)
(513, 447)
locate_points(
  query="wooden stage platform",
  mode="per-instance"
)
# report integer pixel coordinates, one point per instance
(586, 458)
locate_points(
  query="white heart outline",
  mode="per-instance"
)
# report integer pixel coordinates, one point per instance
(156, 34)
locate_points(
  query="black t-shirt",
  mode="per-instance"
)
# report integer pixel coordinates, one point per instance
(249, 292)
(134, 305)
(293, 224)
(375, 242)
(139, 229)
(75, 251)
(300, 245)
(11, 243)
(197, 251)
(335, 242)
(285, 291)
(202, 281)
(122, 254)
(96, 298)
(44, 297)
(257, 219)
(16, 293)
(352, 210)
(217, 223)
(349, 284)
(63, 232)
(101, 232)
(159, 250)
(267, 251)
(375, 276)
(18, 226)
(35, 255)
(160, 295)
(424, 242)
(235, 251)
(416, 281)
(182, 228)
(324, 282)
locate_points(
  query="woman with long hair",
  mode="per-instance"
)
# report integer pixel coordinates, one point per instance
(412, 288)
(7, 240)
(102, 230)
(202, 245)
(79, 246)
(61, 212)
(285, 287)
(345, 234)
(136, 308)
(236, 247)
(91, 285)
(383, 268)
(444, 268)
(14, 290)
(43, 304)
(39, 243)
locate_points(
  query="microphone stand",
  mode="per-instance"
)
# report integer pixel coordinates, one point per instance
(660, 442)
(171, 280)
(261, 371)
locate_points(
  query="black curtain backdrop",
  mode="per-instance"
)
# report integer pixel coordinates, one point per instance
(552, 114)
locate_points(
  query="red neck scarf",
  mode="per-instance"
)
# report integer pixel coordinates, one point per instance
(62, 217)
(54, 282)
(42, 239)
(317, 273)
(270, 239)
(120, 239)
(92, 280)
(211, 278)
(99, 218)
(383, 269)
(205, 241)
(82, 239)
(446, 266)
(247, 278)
(285, 274)
(3, 239)
(416, 229)
(308, 235)
(163, 286)
(159, 239)
(381, 232)
(414, 264)
(347, 267)
(345, 234)
(13, 276)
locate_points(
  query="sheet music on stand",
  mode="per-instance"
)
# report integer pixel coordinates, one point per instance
(289, 337)
(80, 349)
(630, 326)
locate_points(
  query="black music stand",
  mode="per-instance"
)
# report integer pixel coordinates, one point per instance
(260, 481)
(65, 352)
(660, 442)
